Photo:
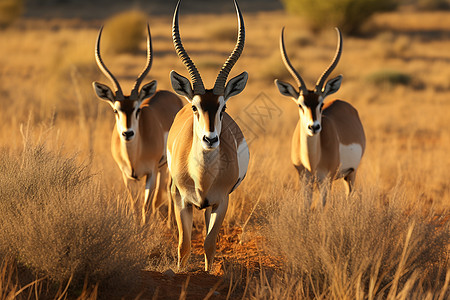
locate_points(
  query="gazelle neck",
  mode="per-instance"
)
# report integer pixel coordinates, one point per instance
(310, 149)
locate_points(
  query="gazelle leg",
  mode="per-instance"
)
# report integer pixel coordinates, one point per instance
(150, 184)
(350, 182)
(308, 187)
(133, 194)
(170, 201)
(216, 218)
(162, 191)
(208, 211)
(183, 216)
(324, 187)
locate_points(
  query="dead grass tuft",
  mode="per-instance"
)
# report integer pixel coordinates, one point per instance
(61, 225)
(364, 246)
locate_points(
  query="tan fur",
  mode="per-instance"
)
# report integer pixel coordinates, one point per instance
(202, 179)
(318, 156)
(143, 156)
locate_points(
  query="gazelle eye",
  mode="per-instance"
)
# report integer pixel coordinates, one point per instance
(115, 111)
(194, 108)
(300, 107)
(321, 106)
(138, 111)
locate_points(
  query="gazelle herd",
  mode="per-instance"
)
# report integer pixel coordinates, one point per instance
(155, 132)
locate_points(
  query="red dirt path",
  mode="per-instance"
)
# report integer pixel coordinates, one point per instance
(244, 257)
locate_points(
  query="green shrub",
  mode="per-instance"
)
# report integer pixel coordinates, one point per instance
(348, 15)
(389, 77)
(124, 33)
(10, 10)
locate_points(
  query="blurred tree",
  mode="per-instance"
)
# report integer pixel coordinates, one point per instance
(348, 15)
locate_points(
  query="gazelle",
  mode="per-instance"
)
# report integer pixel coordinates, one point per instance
(329, 141)
(206, 151)
(139, 139)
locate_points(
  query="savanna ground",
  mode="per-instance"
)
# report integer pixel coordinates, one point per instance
(389, 240)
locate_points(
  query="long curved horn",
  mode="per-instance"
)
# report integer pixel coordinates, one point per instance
(148, 66)
(327, 72)
(197, 81)
(103, 67)
(219, 86)
(299, 80)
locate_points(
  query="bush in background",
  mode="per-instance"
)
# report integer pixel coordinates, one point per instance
(389, 77)
(348, 15)
(125, 32)
(433, 4)
(10, 10)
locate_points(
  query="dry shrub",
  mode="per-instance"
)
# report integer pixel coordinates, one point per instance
(433, 4)
(57, 222)
(365, 246)
(222, 32)
(389, 77)
(124, 32)
(10, 10)
(348, 15)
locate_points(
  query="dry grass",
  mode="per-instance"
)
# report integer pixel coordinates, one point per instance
(45, 78)
(61, 224)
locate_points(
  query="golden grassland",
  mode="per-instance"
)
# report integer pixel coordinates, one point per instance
(46, 70)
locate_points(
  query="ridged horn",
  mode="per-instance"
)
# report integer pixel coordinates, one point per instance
(104, 69)
(327, 72)
(219, 86)
(148, 66)
(298, 79)
(197, 83)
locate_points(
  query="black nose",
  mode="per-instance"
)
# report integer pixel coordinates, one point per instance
(128, 134)
(314, 128)
(209, 141)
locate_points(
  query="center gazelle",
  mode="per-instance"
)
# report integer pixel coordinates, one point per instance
(206, 150)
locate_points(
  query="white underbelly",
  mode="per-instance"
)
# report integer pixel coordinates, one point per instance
(350, 156)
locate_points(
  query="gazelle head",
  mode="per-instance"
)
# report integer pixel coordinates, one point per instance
(208, 105)
(126, 108)
(310, 102)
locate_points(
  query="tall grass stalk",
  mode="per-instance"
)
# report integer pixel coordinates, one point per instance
(367, 246)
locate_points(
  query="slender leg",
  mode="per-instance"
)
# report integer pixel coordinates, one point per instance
(183, 216)
(207, 218)
(308, 188)
(133, 194)
(216, 218)
(324, 187)
(170, 200)
(162, 189)
(350, 182)
(150, 184)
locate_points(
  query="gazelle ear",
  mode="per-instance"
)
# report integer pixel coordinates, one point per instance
(236, 85)
(181, 85)
(332, 86)
(103, 92)
(147, 90)
(286, 89)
